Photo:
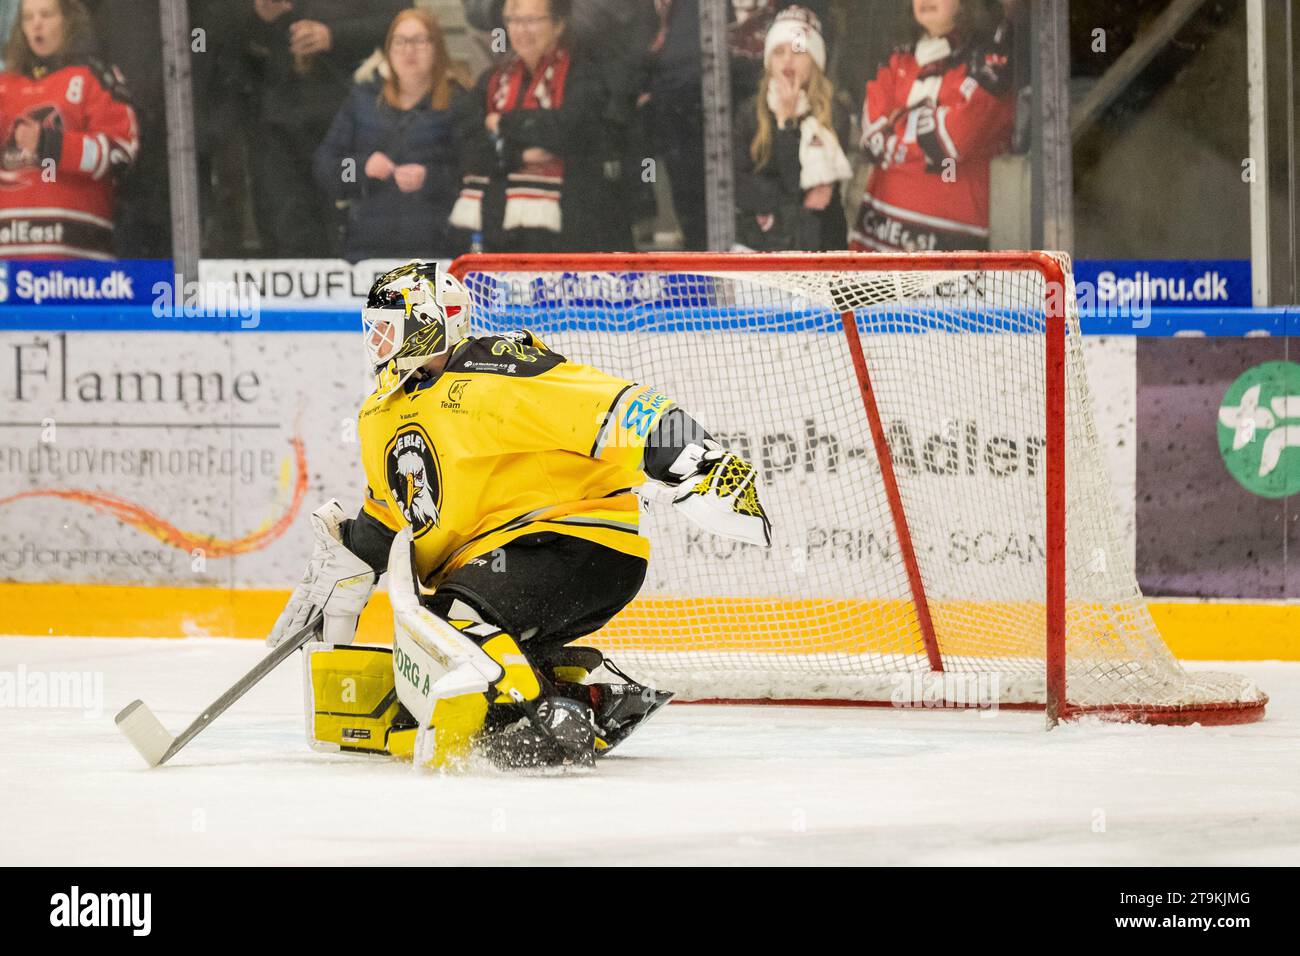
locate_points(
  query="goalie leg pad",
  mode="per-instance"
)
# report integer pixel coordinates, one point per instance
(352, 702)
(452, 731)
(441, 682)
(457, 722)
(453, 703)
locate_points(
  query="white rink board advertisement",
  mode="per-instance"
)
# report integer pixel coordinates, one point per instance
(193, 459)
(165, 458)
(308, 283)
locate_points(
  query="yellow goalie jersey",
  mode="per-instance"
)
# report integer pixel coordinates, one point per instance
(510, 439)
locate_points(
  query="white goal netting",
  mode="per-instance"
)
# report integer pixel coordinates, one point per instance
(956, 362)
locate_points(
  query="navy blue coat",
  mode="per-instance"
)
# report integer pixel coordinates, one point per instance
(382, 221)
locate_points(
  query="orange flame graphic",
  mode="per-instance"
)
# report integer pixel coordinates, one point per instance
(154, 525)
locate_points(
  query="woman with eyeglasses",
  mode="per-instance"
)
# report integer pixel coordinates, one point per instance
(390, 155)
(529, 135)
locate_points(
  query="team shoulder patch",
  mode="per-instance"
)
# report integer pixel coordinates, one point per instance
(518, 353)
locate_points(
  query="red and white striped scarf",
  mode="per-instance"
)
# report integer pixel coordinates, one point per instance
(533, 191)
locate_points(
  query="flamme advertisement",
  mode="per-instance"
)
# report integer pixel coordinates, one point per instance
(171, 459)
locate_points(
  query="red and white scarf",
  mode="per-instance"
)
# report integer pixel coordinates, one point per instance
(533, 191)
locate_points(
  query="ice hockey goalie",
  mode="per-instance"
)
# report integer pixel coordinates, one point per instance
(504, 484)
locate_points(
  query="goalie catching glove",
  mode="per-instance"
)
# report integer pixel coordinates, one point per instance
(336, 581)
(718, 490)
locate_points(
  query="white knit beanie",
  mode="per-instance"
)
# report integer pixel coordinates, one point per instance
(801, 28)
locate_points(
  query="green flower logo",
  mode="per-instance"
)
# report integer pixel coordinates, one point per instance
(1259, 429)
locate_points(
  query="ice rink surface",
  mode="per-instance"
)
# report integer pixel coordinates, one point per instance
(699, 784)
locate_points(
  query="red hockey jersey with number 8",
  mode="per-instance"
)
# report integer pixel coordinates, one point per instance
(931, 121)
(56, 201)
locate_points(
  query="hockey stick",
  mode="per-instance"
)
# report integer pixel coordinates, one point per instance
(147, 733)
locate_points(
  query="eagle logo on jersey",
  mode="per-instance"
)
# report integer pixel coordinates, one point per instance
(414, 478)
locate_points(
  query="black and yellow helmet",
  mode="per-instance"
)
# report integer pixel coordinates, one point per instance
(414, 313)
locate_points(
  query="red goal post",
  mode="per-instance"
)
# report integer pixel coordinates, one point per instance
(1028, 299)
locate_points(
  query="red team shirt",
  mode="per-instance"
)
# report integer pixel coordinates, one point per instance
(89, 131)
(920, 121)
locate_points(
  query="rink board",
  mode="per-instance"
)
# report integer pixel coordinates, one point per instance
(170, 498)
(1194, 630)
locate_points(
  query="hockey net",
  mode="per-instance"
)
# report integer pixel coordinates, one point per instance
(981, 565)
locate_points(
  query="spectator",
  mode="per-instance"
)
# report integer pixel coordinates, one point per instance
(674, 100)
(527, 132)
(612, 35)
(789, 162)
(934, 116)
(747, 33)
(67, 132)
(302, 54)
(391, 153)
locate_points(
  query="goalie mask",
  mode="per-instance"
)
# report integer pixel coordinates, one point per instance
(414, 313)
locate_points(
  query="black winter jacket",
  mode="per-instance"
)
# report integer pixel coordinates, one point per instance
(383, 221)
(774, 190)
(568, 132)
